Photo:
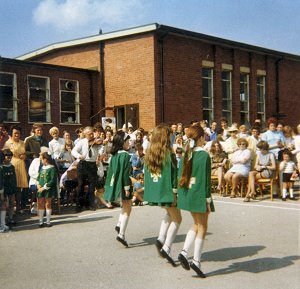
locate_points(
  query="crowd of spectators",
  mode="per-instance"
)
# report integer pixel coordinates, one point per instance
(238, 154)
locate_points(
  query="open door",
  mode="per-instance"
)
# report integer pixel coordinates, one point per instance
(127, 113)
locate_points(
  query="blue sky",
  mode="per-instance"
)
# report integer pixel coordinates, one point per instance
(26, 25)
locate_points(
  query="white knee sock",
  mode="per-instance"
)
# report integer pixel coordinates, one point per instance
(171, 234)
(41, 216)
(164, 226)
(291, 191)
(124, 222)
(3, 216)
(284, 192)
(198, 251)
(48, 215)
(189, 240)
(120, 218)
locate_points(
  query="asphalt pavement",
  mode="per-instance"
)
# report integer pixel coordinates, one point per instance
(248, 245)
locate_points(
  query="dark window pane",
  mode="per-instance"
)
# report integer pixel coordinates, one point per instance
(6, 79)
(68, 101)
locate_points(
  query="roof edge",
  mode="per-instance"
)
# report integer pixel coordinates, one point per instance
(89, 39)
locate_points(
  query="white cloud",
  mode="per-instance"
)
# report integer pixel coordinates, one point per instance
(70, 14)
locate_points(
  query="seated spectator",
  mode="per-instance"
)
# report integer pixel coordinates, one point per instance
(137, 161)
(66, 158)
(243, 132)
(241, 164)
(218, 163)
(138, 190)
(264, 168)
(231, 145)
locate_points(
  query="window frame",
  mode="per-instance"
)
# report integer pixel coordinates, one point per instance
(210, 98)
(245, 112)
(47, 98)
(14, 98)
(262, 89)
(77, 102)
(229, 119)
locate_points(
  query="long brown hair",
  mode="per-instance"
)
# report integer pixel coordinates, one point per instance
(159, 149)
(194, 133)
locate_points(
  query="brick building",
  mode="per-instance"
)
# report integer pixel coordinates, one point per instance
(36, 92)
(156, 73)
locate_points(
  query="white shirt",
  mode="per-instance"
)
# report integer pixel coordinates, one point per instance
(56, 147)
(82, 148)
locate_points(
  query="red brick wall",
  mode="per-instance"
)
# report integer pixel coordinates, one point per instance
(84, 78)
(81, 56)
(129, 75)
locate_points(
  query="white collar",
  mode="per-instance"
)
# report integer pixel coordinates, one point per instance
(198, 149)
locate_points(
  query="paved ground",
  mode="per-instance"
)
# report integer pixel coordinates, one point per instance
(249, 245)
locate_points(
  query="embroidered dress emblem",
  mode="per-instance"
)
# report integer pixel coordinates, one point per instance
(112, 180)
(192, 182)
(155, 177)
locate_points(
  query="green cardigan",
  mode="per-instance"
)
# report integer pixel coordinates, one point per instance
(194, 197)
(118, 179)
(160, 189)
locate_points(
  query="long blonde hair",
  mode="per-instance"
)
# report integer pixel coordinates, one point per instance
(159, 149)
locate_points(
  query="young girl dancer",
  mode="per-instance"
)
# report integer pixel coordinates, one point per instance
(194, 195)
(47, 188)
(161, 186)
(117, 185)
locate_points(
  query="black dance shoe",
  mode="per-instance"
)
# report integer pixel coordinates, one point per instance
(197, 270)
(122, 241)
(184, 262)
(165, 255)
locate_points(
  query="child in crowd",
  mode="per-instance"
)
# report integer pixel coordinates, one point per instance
(138, 190)
(9, 184)
(47, 188)
(117, 185)
(289, 174)
(137, 161)
(3, 227)
(179, 152)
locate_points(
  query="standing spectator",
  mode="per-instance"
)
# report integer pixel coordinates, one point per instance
(137, 161)
(194, 195)
(47, 188)
(3, 227)
(67, 136)
(213, 131)
(87, 151)
(273, 137)
(80, 134)
(117, 185)
(224, 128)
(179, 128)
(3, 135)
(56, 146)
(34, 142)
(161, 187)
(296, 151)
(17, 147)
(173, 133)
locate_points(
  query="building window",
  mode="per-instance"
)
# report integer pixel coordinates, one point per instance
(8, 98)
(69, 101)
(207, 94)
(244, 97)
(226, 96)
(261, 103)
(39, 99)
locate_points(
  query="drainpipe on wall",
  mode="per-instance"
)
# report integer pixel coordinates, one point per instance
(278, 115)
(102, 75)
(162, 81)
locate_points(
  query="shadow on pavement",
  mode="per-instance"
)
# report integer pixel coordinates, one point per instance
(257, 265)
(226, 254)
